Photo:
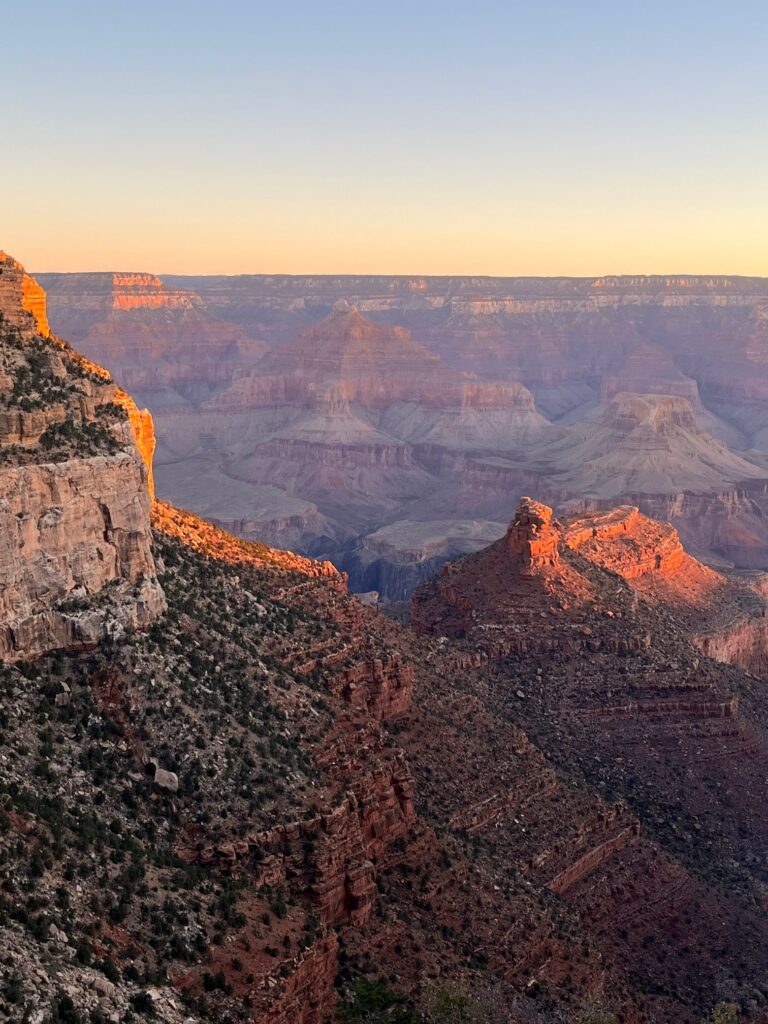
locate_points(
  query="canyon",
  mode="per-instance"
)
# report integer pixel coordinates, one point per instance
(233, 792)
(389, 423)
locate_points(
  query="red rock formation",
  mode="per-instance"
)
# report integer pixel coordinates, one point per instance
(741, 640)
(155, 339)
(332, 855)
(532, 538)
(649, 370)
(376, 364)
(725, 614)
(632, 544)
(145, 291)
(381, 686)
(307, 995)
(612, 684)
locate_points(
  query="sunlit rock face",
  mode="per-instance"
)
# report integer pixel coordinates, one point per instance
(76, 560)
(532, 537)
(22, 300)
(143, 429)
(724, 611)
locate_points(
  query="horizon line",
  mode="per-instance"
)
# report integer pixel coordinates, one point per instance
(405, 274)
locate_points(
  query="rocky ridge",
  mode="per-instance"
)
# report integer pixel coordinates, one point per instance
(159, 341)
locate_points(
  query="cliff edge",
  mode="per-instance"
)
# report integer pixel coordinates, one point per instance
(76, 561)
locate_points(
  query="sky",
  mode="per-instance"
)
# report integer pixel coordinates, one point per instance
(573, 137)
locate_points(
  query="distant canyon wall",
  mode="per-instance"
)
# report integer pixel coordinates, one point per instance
(315, 411)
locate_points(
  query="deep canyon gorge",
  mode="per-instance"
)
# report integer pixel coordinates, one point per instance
(232, 791)
(391, 423)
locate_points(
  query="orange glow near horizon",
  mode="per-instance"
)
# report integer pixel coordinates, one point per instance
(322, 235)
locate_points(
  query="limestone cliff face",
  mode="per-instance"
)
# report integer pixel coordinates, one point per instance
(143, 434)
(76, 559)
(102, 292)
(22, 300)
(75, 554)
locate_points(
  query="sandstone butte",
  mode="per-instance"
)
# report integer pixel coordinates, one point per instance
(239, 802)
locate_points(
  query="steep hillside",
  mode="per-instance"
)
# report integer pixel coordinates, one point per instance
(611, 688)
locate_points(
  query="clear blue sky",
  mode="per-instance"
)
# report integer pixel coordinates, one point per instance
(463, 136)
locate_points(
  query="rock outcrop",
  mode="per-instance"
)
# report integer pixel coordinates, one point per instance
(22, 299)
(597, 655)
(631, 544)
(158, 341)
(76, 558)
(75, 488)
(532, 537)
(725, 613)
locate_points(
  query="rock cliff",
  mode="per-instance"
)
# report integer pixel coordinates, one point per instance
(606, 675)
(158, 341)
(725, 612)
(532, 538)
(75, 489)
(22, 299)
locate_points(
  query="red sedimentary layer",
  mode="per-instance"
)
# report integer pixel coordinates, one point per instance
(145, 291)
(332, 853)
(629, 543)
(532, 539)
(726, 615)
(307, 995)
